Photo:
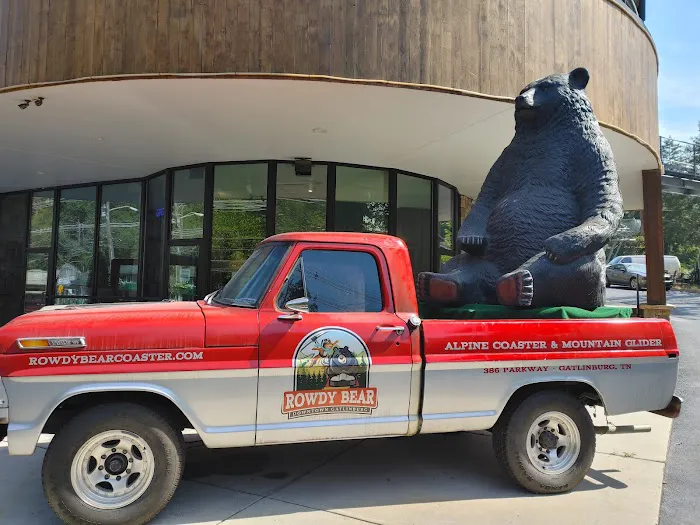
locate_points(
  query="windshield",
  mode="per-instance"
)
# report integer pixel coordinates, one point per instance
(248, 284)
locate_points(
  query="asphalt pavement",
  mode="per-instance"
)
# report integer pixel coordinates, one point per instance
(680, 502)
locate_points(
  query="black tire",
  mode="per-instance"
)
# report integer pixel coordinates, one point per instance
(166, 445)
(607, 283)
(510, 438)
(633, 283)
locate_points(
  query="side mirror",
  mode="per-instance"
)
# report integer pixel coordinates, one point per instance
(298, 305)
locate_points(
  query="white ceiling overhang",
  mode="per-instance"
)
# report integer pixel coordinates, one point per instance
(109, 130)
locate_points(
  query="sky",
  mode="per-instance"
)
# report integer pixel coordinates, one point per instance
(675, 27)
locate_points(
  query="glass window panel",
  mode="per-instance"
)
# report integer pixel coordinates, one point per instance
(36, 286)
(183, 273)
(120, 234)
(362, 200)
(301, 200)
(341, 281)
(414, 219)
(156, 230)
(445, 222)
(240, 215)
(188, 204)
(41, 229)
(76, 238)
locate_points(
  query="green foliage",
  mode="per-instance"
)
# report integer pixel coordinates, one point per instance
(681, 213)
(300, 216)
(235, 233)
(682, 228)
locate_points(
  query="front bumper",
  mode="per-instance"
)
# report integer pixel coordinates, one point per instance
(672, 410)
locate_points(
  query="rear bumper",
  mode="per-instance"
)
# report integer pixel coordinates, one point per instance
(672, 410)
(4, 411)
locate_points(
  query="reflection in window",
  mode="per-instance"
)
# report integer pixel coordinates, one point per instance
(120, 232)
(41, 229)
(156, 232)
(445, 222)
(247, 286)
(414, 218)
(183, 273)
(188, 204)
(341, 281)
(36, 285)
(240, 211)
(76, 238)
(362, 200)
(40, 240)
(301, 200)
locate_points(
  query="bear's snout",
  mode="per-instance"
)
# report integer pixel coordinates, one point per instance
(525, 100)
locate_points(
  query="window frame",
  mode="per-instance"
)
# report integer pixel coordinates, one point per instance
(270, 302)
(205, 244)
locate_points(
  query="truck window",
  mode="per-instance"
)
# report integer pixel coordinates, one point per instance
(248, 284)
(334, 281)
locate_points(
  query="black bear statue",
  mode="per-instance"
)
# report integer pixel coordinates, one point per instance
(548, 206)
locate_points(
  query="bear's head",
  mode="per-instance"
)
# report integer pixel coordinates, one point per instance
(552, 98)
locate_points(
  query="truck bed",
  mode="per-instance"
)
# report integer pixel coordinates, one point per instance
(490, 311)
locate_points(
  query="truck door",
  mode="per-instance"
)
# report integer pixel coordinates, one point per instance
(340, 367)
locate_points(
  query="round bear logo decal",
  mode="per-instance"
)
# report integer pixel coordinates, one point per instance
(331, 375)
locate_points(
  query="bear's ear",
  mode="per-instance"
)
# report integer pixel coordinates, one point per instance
(578, 78)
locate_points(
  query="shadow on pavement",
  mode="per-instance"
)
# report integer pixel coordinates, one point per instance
(369, 473)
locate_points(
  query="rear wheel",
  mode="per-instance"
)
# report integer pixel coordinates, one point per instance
(547, 443)
(113, 464)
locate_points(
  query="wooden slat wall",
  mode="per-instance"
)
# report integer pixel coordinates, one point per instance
(488, 46)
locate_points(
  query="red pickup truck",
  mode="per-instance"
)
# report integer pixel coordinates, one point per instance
(316, 337)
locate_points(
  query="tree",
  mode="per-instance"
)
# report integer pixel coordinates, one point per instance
(682, 227)
(681, 213)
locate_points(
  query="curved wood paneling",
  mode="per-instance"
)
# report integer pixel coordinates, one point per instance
(488, 46)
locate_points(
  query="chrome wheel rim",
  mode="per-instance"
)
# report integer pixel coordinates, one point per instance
(112, 469)
(553, 443)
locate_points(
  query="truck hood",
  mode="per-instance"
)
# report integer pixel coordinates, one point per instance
(124, 326)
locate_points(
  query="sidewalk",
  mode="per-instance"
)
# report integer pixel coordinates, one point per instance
(445, 479)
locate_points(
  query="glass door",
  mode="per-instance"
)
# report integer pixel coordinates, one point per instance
(187, 223)
(41, 232)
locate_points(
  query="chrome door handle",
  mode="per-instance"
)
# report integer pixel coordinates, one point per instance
(398, 329)
(290, 317)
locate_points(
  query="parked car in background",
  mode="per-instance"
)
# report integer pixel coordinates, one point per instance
(671, 263)
(633, 275)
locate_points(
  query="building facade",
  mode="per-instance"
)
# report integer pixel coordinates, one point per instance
(149, 145)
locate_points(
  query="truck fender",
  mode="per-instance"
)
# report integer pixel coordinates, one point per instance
(23, 438)
(575, 384)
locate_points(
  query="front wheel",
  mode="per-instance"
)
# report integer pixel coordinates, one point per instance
(633, 283)
(547, 443)
(113, 464)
